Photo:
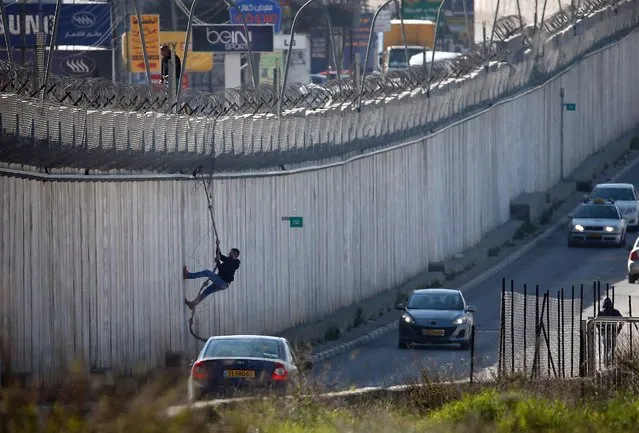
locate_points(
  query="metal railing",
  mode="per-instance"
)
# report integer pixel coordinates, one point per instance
(611, 348)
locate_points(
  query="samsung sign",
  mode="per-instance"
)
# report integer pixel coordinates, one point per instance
(81, 64)
(80, 24)
(230, 38)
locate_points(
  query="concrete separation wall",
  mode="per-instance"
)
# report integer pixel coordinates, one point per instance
(92, 269)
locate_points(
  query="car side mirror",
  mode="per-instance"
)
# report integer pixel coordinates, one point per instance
(471, 308)
(400, 306)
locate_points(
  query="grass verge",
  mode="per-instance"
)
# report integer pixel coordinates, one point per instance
(513, 405)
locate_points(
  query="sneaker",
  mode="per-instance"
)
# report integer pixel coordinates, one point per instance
(185, 273)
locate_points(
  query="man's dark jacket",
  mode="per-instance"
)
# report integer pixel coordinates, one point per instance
(178, 67)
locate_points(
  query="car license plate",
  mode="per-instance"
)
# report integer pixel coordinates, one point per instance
(594, 236)
(240, 373)
(433, 332)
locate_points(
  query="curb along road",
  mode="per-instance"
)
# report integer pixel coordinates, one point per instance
(378, 332)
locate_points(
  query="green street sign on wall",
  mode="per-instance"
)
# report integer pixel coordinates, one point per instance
(571, 107)
(294, 222)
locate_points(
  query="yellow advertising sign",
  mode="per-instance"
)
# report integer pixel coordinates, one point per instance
(196, 62)
(151, 29)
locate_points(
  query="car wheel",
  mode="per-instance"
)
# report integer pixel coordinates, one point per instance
(631, 278)
(571, 243)
(465, 345)
(402, 344)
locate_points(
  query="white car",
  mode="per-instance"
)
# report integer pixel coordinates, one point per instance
(633, 263)
(625, 197)
(597, 222)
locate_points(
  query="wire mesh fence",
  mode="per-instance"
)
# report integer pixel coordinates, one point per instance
(97, 124)
(540, 332)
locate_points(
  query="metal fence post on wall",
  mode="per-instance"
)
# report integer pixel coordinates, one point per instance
(142, 40)
(40, 60)
(432, 57)
(290, 44)
(7, 36)
(172, 81)
(370, 39)
(187, 42)
(54, 35)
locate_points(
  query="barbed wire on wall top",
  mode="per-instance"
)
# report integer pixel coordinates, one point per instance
(102, 93)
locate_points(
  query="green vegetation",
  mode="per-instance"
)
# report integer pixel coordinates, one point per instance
(559, 407)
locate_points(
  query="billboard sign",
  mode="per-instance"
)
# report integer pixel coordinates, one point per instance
(151, 29)
(80, 64)
(80, 24)
(257, 12)
(230, 38)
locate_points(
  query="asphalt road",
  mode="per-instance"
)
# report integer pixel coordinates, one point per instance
(551, 264)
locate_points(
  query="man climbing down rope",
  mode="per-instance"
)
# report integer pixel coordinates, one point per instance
(226, 265)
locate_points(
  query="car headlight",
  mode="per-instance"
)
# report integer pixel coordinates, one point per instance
(610, 229)
(460, 320)
(579, 227)
(407, 318)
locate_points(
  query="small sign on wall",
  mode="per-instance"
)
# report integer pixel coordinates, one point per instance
(294, 222)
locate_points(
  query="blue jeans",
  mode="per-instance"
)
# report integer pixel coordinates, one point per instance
(217, 284)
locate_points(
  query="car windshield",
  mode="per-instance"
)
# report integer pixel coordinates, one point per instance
(243, 348)
(617, 194)
(596, 211)
(435, 301)
(397, 56)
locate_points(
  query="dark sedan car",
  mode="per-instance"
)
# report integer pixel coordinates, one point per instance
(228, 364)
(436, 316)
